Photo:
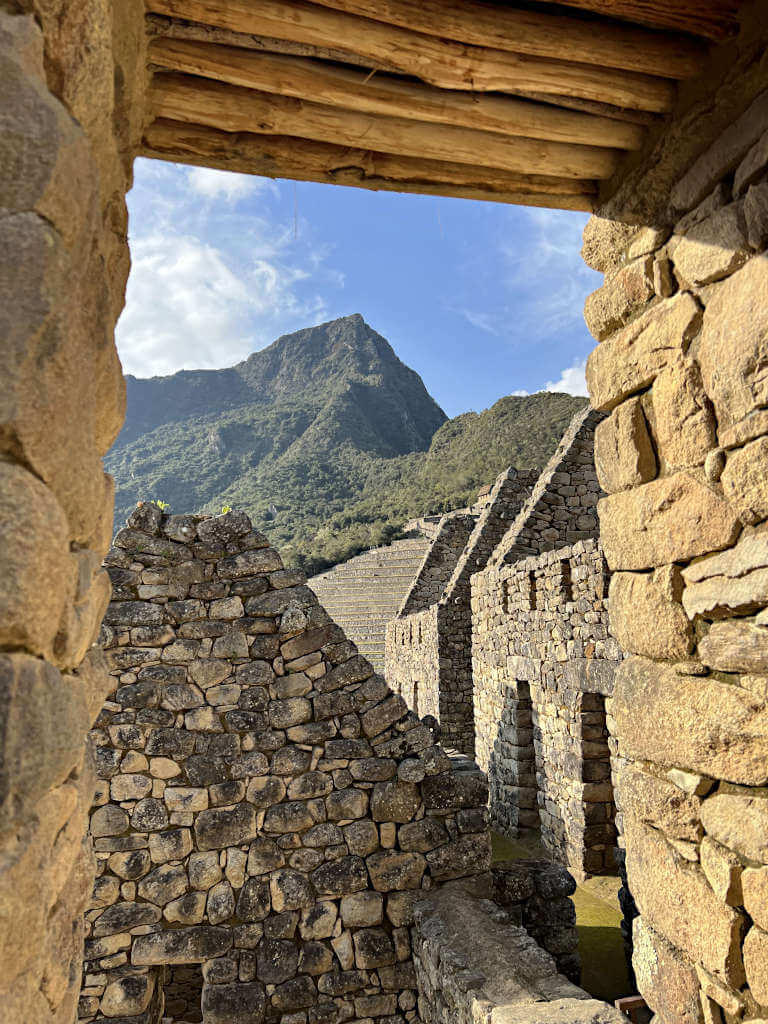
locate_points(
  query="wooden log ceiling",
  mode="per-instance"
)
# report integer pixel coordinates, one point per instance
(532, 104)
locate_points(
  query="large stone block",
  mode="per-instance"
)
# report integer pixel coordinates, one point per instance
(745, 480)
(659, 803)
(733, 346)
(714, 247)
(242, 1003)
(756, 964)
(684, 426)
(675, 900)
(37, 577)
(666, 979)
(646, 615)
(736, 645)
(735, 580)
(44, 717)
(669, 520)
(181, 946)
(624, 292)
(630, 360)
(739, 820)
(693, 722)
(624, 455)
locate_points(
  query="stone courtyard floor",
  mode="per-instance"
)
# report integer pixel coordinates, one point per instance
(598, 920)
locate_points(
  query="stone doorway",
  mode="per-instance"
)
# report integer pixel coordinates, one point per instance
(183, 994)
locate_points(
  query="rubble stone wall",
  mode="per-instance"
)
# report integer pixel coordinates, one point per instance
(439, 563)
(682, 326)
(437, 641)
(70, 107)
(475, 963)
(543, 664)
(266, 807)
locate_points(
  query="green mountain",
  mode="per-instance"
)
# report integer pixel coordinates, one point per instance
(325, 438)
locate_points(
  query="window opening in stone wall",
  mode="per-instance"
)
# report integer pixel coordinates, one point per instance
(532, 594)
(566, 582)
(183, 992)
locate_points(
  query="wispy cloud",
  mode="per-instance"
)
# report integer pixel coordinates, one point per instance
(217, 272)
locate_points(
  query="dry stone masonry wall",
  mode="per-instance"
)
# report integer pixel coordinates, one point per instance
(72, 82)
(267, 810)
(682, 325)
(428, 645)
(543, 664)
(475, 963)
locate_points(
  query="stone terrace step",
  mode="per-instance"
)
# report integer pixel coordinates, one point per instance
(364, 593)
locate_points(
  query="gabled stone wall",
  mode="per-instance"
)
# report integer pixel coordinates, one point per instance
(682, 323)
(428, 648)
(266, 807)
(543, 665)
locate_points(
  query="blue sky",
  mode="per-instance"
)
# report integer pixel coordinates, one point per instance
(482, 299)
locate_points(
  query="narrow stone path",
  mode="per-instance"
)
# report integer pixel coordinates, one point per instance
(598, 923)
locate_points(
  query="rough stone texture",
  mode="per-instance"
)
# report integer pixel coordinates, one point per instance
(624, 455)
(236, 861)
(672, 519)
(428, 645)
(544, 662)
(71, 109)
(690, 714)
(473, 962)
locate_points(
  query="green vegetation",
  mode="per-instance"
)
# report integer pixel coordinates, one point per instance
(325, 438)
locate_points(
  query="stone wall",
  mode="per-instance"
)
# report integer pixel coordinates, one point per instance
(266, 807)
(439, 563)
(475, 963)
(429, 650)
(682, 324)
(70, 106)
(543, 664)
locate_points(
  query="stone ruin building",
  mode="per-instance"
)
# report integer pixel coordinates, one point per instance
(537, 658)
(654, 117)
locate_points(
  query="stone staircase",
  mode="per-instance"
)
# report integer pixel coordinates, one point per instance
(365, 592)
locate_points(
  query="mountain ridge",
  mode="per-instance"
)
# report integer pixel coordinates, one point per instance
(332, 429)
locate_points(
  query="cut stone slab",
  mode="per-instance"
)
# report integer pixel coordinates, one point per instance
(624, 455)
(181, 946)
(631, 359)
(646, 616)
(666, 978)
(739, 821)
(675, 899)
(735, 580)
(669, 520)
(733, 347)
(691, 722)
(736, 645)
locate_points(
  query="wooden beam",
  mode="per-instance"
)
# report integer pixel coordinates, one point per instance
(304, 160)
(347, 89)
(440, 62)
(711, 19)
(538, 34)
(233, 109)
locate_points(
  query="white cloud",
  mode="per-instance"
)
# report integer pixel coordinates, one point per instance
(226, 184)
(209, 283)
(572, 380)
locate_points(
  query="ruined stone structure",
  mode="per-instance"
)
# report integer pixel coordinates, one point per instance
(522, 623)
(428, 658)
(365, 592)
(680, 323)
(266, 809)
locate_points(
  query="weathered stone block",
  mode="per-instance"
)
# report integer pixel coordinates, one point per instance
(739, 820)
(225, 826)
(646, 615)
(731, 372)
(684, 426)
(339, 877)
(241, 1003)
(656, 802)
(745, 480)
(714, 247)
(663, 884)
(756, 963)
(391, 870)
(128, 996)
(754, 883)
(630, 360)
(667, 980)
(732, 581)
(693, 722)
(736, 645)
(623, 294)
(624, 455)
(669, 520)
